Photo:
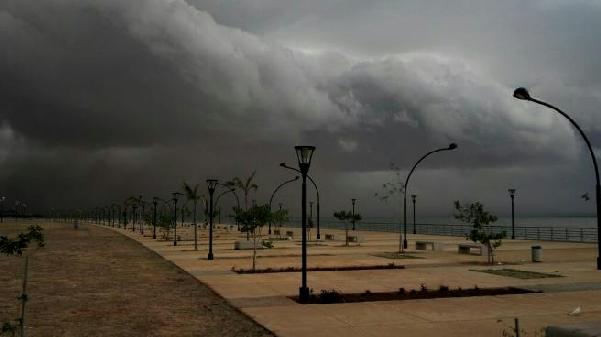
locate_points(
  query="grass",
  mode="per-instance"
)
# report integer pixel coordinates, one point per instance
(521, 274)
(334, 268)
(96, 282)
(396, 255)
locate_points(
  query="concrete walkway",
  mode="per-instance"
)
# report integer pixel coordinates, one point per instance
(265, 296)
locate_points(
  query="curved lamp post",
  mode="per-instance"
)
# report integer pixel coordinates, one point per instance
(211, 184)
(273, 194)
(402, 247)
(175, 196)
(522, 93)
(353, 201)
(316, 191)
(414, 199)
(231, 190)
(512, 196)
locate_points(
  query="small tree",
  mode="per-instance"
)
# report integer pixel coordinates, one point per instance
(475, 215)
(252, 221)
(347, 217)
(279, 217)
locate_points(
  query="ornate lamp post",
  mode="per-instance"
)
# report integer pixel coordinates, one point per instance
(451, 146)
(512, 196)
(413, 199)
(175, 196)
(211, 185)
(522, 93)
(304, 155)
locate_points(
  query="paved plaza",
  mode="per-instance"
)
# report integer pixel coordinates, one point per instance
(265, 296)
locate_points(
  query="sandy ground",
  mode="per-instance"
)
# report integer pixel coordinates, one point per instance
(95, 282)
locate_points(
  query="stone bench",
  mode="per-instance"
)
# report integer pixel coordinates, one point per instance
(423, 245)
(329, 236)
(290, 234)
(352, 238)
(466, 248)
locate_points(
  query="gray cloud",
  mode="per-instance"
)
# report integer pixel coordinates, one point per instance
(100, 100)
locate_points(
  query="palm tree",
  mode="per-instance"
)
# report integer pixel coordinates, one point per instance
(193, 195)
(246, 186)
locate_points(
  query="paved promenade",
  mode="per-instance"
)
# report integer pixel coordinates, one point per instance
(264, 297)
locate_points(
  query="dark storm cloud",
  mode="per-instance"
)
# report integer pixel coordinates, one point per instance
(102, 99)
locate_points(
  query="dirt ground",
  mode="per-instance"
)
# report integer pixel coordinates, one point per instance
(95, 282)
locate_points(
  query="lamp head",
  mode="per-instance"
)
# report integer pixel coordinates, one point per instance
(521, 93)
(452, 146)
(304, 153)
(413, 197)
(511, 191)
(283, 164)
(212, 184)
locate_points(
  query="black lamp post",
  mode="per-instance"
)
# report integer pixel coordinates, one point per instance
(155, 200)
(211, 184)
(353, 202)
(402, 247)
(273, 194)
(142, 222)
(512, 195)
(2, 198)
(229, 190)
(522, 93)
(413, 199)
(316, 191)
(175, 195)
(304, 155)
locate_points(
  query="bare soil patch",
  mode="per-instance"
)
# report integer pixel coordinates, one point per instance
(96, 282)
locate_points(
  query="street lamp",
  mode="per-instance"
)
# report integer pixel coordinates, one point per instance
(304, 155)
(413, 199)
(155, 200)
(353, 202)
(211, 184)
(316, 191)
(2, 198)
(175, 195)
(402, 247)
(522, 93)
(273, 194)
(512, 195)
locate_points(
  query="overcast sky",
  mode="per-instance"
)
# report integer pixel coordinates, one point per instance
(100, 100)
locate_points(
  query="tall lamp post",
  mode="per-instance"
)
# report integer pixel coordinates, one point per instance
(316, 191)
(211, 184)
(273, 194)
(304, 155)
(353, 202)
(175, 196)
(413, 199)
(512, 196)
(522, 93)
(2, 198)
(402, 247)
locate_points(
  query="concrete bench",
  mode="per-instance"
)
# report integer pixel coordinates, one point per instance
(423, 245)
(352, 238)
(329, 236)
(290, 234)
(246, 245)
(466, 248)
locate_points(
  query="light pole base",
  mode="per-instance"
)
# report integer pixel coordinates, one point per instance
(210, 256)
(318, 236)
(303, 294)
(175, 243)
(404, 243)
(154, 236)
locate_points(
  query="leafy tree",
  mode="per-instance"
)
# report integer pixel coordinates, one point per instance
(245, 186)
(475, 215)
(392, 188)
(279, 216)
(347, 217)
(252, 221)
(16, 246)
